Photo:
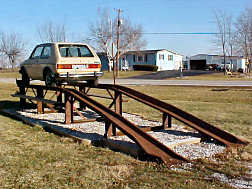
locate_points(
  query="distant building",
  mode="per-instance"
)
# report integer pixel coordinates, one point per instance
(106, 62)
(203, 61)
(163, 59)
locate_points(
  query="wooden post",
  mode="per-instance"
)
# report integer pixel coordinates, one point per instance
(68, 109)
(59, 97)
(118, 109)
(22, 102)
(167, 121)
(118, 102)
(40, 108)
(83, 106)
(108, 129)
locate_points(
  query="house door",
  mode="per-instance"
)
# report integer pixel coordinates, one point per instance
(124, 65)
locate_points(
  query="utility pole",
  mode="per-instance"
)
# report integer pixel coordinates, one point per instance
(114, 76)
(117, 40)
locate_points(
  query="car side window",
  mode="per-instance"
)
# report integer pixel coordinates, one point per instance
(85, 52)
(46, 52)
(37, 53)
(63, 52)
(73, 52)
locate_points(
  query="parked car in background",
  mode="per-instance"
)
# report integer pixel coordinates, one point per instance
(222, 66)
(60, 62)
(211, 67)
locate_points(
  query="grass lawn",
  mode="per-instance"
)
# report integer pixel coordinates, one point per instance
(121, 74)
(107, 75)
(10, 74)
(33, 158)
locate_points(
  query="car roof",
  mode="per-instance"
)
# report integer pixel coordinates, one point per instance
(62, 43)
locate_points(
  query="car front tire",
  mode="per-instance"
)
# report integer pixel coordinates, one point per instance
(49, 78)
(25, 77)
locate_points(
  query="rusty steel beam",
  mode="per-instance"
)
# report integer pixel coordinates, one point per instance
(186, 118)
(149, 144)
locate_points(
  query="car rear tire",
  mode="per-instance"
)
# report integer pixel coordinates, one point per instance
(25, 77)
(93, 83)
(49, 78)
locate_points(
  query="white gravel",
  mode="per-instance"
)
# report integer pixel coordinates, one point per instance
(236, 183)
(95, 131)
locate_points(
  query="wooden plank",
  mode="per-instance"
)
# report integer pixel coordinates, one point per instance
(84, 120)
(175, 143)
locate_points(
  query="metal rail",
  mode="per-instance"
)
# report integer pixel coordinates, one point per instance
(188, 119)
(150, 145)
(114, 119)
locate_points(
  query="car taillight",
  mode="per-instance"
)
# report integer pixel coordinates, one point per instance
(64, 66)
(94, 65)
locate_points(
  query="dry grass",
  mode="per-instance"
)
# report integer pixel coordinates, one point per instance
(33, 158)
(107, 75)
(121, 74)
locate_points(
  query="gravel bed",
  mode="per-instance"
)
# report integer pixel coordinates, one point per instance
(200, 150)
(236, 183)
(95, 131)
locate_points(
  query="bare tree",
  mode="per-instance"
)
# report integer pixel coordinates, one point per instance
(221, 38)
(103, 35)
(130, 37)
(52, 32)
(244, 36)
(231, 37)
(11, 46)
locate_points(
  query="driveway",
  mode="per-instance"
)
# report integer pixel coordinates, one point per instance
(179, 82)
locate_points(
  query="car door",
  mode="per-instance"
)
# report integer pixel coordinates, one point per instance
(43, 61)
(33, 61)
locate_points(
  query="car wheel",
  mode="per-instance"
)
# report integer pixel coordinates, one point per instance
(25, 78)
(49, 78)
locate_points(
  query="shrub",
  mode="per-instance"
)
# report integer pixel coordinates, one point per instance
(145, 67)
(240, 70)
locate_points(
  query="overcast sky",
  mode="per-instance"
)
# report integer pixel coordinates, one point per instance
(24, 17)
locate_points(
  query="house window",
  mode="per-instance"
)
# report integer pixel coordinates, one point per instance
(140, 58)
(170, 57)
(161, 57)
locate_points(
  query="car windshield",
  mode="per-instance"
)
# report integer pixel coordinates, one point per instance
(75, 51)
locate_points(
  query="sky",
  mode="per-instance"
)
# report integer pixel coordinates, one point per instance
(156, 16)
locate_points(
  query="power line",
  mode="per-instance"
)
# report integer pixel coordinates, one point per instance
(185, 33)
(180, 33)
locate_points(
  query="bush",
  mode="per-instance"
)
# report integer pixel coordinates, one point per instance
(145, 67)
(240, 70)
